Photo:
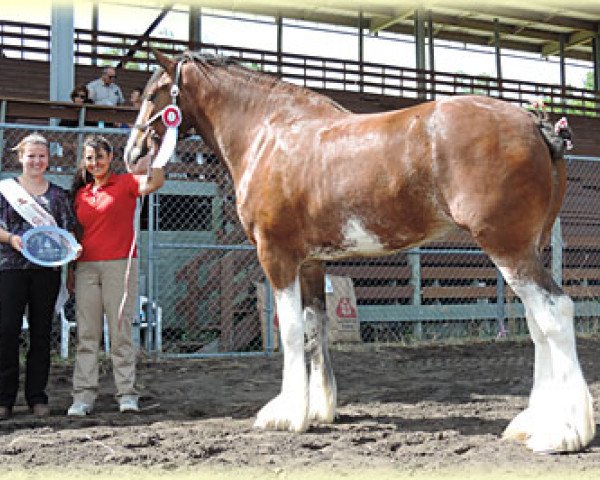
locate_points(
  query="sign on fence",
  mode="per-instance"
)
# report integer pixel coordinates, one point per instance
(340, 300)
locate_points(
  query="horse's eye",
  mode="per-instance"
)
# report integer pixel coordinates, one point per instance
(151, 97)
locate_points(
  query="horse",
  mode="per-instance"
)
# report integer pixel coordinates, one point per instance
(315, 182)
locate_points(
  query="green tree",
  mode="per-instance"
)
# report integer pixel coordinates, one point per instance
(141, 59)
(589, 81)
(482, 84)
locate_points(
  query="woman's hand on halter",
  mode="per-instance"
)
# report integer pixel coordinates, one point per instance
(151, 182)
(142, 166)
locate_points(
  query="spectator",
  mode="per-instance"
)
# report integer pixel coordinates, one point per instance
(23, 284)
(104, 90)
(104, 281)
(135, 98)
(80, 96)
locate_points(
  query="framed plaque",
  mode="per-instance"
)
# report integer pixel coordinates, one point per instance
(49, 246)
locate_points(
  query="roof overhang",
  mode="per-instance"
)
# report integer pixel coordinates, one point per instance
(533, 26)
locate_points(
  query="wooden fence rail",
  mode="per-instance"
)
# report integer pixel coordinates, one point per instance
(32, 41)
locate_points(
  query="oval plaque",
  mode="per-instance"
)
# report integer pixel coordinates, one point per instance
(49, 246)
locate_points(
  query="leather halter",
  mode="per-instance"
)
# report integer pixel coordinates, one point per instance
(174, 94)
(171, 116)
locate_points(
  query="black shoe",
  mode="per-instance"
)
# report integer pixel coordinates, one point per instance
(5, 413)
(40, 410)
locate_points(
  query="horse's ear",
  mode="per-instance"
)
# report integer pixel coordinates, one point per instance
(165, 62)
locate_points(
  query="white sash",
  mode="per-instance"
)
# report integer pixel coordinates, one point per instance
(36, 216)
(24, 205)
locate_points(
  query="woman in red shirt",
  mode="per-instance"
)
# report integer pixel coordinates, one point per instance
(105, 279)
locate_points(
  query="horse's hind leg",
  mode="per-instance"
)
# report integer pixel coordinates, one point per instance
(322, 388)
(559, 417)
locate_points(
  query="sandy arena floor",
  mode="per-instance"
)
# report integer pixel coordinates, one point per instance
(404, 412)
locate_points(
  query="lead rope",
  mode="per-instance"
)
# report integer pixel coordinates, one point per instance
(171, 135)
(136, 223)
(136, 219)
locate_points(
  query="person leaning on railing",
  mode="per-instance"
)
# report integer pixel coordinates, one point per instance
(79, 96)
(104, 90)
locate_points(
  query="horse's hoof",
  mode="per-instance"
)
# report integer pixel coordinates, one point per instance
(548, 433)
(322, 417)
(281, 414)
(322, 404)
(519, 429)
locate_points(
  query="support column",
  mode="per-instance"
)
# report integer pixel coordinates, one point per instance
(279, 21)
(557, 252)
(95, 16)
(414, 262)
(596, 61)
(361, 50)
(195, 27)
(563, 73)
(431, 53)
(62, 71)
(420, 51)
(498, 57)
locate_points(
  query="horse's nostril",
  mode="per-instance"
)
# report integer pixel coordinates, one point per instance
(144, 150)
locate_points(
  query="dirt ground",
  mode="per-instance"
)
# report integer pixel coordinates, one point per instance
(401, 409)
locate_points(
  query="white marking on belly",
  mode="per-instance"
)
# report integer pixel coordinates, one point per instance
(356, 241)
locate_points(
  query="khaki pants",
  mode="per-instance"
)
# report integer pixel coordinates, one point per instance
(99, 289)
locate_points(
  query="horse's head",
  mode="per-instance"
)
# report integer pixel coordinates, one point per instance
(163, 114)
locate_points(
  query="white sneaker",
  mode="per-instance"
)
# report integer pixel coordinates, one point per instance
(79, 409)
(128, 404)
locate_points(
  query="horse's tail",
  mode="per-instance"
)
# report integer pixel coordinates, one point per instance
(559, 137)
(557, 195)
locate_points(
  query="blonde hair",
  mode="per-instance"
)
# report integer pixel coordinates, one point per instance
(31, 139)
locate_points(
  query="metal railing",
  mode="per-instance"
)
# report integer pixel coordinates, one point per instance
(32, 41)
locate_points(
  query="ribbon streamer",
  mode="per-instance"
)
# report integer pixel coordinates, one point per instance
(167, 147)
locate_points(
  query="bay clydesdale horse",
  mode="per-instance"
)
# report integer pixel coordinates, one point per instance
(315, 182)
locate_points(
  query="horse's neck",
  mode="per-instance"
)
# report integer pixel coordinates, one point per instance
(236, 121)
(227, 140)
(233, 127)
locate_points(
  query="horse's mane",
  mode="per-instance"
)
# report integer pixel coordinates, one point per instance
(234, 66)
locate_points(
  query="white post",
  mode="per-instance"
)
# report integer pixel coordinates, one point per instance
(62, 70)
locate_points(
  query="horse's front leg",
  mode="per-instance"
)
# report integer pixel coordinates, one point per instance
(289, 410)
(322, 387)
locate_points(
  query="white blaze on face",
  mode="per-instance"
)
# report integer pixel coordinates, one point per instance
(130, 149)
(357, 239)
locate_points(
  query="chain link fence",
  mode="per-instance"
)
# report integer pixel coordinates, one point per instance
(203, 292)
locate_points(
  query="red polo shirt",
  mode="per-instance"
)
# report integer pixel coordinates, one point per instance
(106, 215)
